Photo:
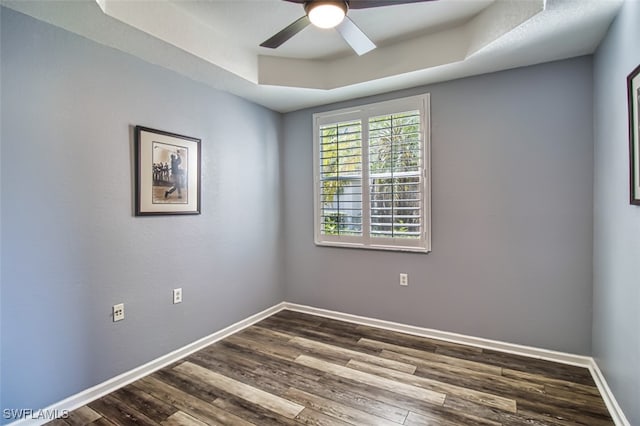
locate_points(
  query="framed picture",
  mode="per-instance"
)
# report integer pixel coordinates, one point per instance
(167, 173)
(633, 85)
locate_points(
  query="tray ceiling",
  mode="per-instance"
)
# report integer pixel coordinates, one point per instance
(217, 41)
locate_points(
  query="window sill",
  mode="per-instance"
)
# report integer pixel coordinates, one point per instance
(406, 249)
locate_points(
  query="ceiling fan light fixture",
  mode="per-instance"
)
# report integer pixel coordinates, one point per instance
(326, 14)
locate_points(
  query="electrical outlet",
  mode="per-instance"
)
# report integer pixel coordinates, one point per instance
(118, 312)
(177, 295)
(404, 279)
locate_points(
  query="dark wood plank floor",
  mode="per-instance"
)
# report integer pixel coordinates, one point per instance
(294, 368)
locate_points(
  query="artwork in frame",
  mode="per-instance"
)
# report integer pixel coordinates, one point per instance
(633, 86)
(167, 173)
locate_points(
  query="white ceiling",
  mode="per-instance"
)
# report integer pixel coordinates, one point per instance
(216, 41)
(259, 20)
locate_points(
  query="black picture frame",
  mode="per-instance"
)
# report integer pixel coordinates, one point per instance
(167, 169)
(633, 88)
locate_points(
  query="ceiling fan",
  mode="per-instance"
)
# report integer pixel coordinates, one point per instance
(333, 14)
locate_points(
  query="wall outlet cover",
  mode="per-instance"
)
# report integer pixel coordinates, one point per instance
(177, 295)
(118, 312)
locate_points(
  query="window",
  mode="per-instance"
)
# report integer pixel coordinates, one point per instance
(371, 168)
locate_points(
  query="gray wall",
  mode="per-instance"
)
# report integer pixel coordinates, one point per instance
(512, 159)
(616, 319)
(71, 247)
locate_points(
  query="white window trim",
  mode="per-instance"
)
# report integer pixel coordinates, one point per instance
(364, 112)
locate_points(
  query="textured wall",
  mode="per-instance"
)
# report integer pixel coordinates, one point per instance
(616, 319)
(71, 247)
(512, 158)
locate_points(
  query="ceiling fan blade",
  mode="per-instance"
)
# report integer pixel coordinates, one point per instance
(365, 4)
(287, 33)
(355, 37)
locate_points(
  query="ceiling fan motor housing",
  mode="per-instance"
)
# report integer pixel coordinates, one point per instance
(311, 4)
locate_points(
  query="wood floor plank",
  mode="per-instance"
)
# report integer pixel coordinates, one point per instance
(488, 399)
(58, 422)
(272, 402)
(526, 364)
(182, 419)
(341, 334)
(335, 409)
(281, 366)
(235, 371)
(268, 333)
(463, 407)
(102, 422)
(412, 341)
(82, 416)
(221, 353)
(340, 395)
(338, 325)
(415, 419)
(315, 333)
(111, 407)
(567, 419)
(473, 379)
(311, 417)
(545, 381)
(152, 407)
(373, 380)
(552, 409)
(271, 350)
(593, 404)
(545, 367)
(348, 354)
(195, 407)
(447, 419)
(430, 356)
(253, 413)
(187, 385)
(286, 350)
(301, 318)
(286, 378)
(388, 398)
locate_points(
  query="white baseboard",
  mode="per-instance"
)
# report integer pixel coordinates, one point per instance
(561, 357)
(83, 398)
(78, 400)
(609, 399)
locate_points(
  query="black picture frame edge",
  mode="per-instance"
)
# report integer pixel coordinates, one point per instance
(137, 131)
(632, 166)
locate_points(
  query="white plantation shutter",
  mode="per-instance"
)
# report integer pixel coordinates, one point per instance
(395, 175)
(371, 176)
(341, 178)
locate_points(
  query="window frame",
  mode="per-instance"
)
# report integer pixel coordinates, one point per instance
(363, 113)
